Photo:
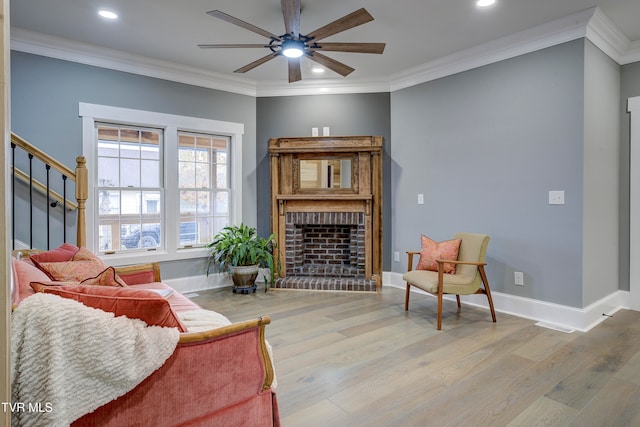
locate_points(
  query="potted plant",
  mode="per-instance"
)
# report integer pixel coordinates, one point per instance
(239, 251)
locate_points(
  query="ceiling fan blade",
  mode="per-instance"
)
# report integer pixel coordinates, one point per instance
(254, 64)
(359, 17)
(351, 47)
(291, 13)
(294, 70)
(241, 23)
(214, 46)
(332, 64)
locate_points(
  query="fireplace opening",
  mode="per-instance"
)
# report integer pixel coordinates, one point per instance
(329, 250)
(325, 250)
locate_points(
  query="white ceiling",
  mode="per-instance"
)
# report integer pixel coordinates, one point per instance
(161, 35)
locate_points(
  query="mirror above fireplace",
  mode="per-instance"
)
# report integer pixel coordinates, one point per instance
(324, 173)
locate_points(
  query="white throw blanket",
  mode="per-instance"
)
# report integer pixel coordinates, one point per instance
(68, 359)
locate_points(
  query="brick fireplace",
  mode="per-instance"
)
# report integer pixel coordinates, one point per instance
(326, 251)
(326, 212)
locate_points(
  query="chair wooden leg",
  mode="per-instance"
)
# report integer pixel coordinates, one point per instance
(488, 292)
(440, 292)
(406, 297)
(458, 299)
(439, 311)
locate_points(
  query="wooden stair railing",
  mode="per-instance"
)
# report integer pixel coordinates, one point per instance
(79, 176)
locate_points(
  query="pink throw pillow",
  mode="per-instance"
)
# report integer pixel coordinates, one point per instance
(83, 265)
(147, 306)
(106, 278)
(64, 252)
(24, 274)
(432, 251)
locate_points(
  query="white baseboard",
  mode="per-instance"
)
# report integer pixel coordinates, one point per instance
(198, 283)
(581, 319)
(203, 282)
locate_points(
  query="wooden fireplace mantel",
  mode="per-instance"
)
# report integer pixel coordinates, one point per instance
(341, 174)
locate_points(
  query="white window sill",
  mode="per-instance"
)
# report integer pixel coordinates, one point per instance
(142, 257)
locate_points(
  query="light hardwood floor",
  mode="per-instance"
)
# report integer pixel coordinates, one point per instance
(358, 359)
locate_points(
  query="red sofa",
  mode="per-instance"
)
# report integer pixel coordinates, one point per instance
(220, 377)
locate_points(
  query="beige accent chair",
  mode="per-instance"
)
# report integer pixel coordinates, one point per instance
(469, 277)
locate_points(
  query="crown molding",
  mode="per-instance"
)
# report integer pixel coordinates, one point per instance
(590, 23)
(549, 34)
(82, 53)
(603, 33)
(322, 87)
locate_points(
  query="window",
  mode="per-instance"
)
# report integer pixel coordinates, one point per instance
(160, 185)
(129, 187)
(203, 180)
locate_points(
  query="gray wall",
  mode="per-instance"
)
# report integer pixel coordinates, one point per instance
(357, 114)
(601, 205)
(629, 87)
(485, 147)
(45, 94)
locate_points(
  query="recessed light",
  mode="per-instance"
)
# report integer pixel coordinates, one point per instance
(317, 70)
(108, 14)
(485, 3)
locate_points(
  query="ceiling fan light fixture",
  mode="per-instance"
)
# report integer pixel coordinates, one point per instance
(292, 48)
(108, 14)
(485, 3)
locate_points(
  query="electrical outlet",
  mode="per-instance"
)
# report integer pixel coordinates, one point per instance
(396, 256)
(314, 131)
(556, 197)
(518, 278)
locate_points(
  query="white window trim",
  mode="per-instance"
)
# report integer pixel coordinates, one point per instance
(171, 124)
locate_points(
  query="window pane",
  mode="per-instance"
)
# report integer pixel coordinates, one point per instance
(150, 152)
(130, 202)
(186, 154)
(105, 237)
(188, 232)
(187, 202)
(221, 157)
(131, 151)
(109, 202)
(151, 202)
(150, 173)
(186, 175)
(203, 156)
(108, 149)
(108, 172)
(204, 201)
(129, 173)
(202, 175)
(222, 178)
(222, 203)
(205, 229)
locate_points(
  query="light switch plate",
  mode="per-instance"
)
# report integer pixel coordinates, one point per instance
(556, 197)
(421, 199)
(325, 131)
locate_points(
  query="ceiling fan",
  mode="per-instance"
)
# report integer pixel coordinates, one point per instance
(295, 45)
